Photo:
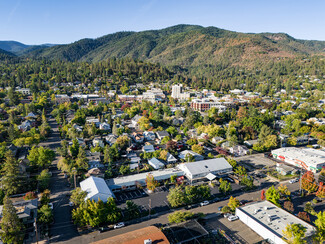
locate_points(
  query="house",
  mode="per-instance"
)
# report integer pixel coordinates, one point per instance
(93, 120)
(135, 120)
(155, 163)
(250, 143)
(24, 91)
(137, 137)
(183, 154)
(239, 150)
(162, 134)
(26, 210)
(111, 139)
(149, 136)
(96, 172)
(77, 127)
(217, 139)
(199, 170)
(284, 169)
(59, 99)
(25, 126)
(98, 142)
(104, 126)
(96, 189)
(31, 115)
(94, 160)
(148, 148)
(171, 159)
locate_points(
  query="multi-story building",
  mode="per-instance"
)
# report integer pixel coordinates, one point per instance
(177, 93)
(62, 99)
(205, 104)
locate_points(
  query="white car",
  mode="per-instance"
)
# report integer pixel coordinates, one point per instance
(233, 218)
(71, 204)
(119, 225)
(51, 205)
(204, 203)
(293, 181)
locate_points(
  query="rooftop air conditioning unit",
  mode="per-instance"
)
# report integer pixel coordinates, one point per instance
(148, 241)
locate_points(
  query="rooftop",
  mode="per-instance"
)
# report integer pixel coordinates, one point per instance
(273, 217)
(137, 237)
(307, 155)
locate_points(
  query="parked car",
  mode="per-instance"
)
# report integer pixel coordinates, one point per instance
(51, 205)
(220, 208)
(119, 225)
(232, 218)
(230, 180)
(227, 215)
(204, 203)
(243, 202)
(103, 229)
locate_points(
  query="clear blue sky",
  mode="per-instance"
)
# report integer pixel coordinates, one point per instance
(66, 21)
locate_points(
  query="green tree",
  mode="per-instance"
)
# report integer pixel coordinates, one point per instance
(165, 140)
(320, 226)
(82, 160)
(44, 179)
(264, 133)
(78, 196)
(45, 215)
(12, 230)
(224, 187)
(273, 195)
(172, 131)
(233, 203)
(151, 182)
(248, 182)
(114, 213)
(176, 197)
(107, 156)
(63, 150)
(133, 210)
(74, 148)
(294, 233)
(180, 216)
(198, 149)
(10, 174)
(124, 169)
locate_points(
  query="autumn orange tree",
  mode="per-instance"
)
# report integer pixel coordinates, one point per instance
(308, 182)
(151, 182)
(321, 190)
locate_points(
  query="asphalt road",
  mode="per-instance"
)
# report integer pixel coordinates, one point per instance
(62, 229)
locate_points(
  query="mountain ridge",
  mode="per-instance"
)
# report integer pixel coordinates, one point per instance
(184, 45)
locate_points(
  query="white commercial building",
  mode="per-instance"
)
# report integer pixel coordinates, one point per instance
(131, 182)
(307, 158)
(269, 221)
(200, 169)
(96, 188)
(177, 93)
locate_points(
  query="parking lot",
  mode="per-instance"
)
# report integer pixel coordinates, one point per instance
(236, 230)
(255, 161)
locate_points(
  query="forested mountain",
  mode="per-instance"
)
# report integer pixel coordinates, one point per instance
(19, 48)
(186, 45)
(5, 55)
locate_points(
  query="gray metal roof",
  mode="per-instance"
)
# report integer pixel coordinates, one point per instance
(206, 166)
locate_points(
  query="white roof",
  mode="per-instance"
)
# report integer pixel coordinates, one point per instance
(206, 166)
(155, 163)
(141, 178)
(309, 156)
(96, 188)
(210, 176)
(273, 217)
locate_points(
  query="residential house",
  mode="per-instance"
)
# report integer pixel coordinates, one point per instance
(93, 120)
(59, 99)
(183, 154)
(149, 136)
(104, 126)
(135, 120)
(217, 139)
(137, 137)
(162, 134)
(94, 159)
(239, 150)
(111, 139)
(98, 142)
(171, 159)
(148, 148)
(155, 163)
(25, 126)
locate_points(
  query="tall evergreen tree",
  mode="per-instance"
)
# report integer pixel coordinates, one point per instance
(10, 172)
(12, 228)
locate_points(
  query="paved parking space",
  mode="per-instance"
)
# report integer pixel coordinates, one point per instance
(129, 195)
(255, 161)
(236, 230)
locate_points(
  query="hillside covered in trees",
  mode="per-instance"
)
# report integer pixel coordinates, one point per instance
(184, 46)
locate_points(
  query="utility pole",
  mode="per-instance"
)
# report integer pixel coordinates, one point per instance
(35, 224)
(149, 207)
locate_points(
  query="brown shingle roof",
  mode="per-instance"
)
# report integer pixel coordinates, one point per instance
(138, 237)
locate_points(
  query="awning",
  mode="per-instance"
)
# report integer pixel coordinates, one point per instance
(210, 176)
